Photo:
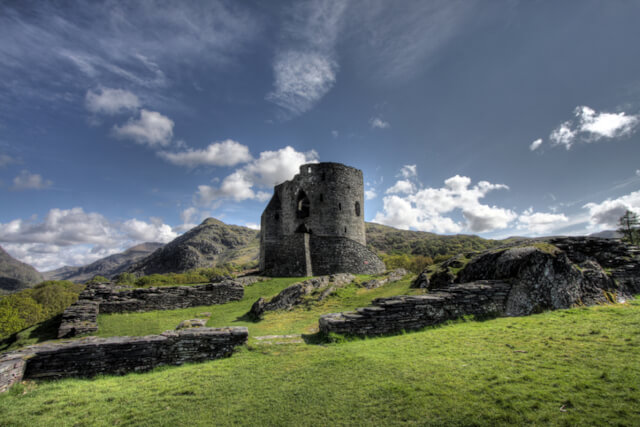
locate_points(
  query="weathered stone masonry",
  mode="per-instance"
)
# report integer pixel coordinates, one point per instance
(81, 317)
(91, 356)
(392, 315)
(314, 225)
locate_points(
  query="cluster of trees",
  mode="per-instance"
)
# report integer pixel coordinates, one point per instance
(30, 306)
(629, 227)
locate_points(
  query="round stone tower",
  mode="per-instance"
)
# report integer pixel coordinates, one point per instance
(314, 224)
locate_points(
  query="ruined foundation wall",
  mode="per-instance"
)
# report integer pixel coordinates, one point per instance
(91, 356)
(395, 314)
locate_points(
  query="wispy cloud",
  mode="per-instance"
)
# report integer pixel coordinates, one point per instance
(111, 101)
(140, 44)
(6, 159)
(225, 153)
(378, 123)
(398, 41)
(30, 181)
(305, 66)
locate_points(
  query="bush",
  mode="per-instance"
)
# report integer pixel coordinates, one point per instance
(30, 306)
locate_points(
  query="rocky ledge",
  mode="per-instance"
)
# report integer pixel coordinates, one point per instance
(298, 293)
(518, 280)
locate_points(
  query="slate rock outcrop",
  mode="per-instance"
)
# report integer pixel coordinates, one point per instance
(297, 293)
(519, 280)
(92, 356)
(390, 277)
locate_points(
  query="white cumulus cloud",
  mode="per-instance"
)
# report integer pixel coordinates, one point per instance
(151, 128)
(426, 209)
(563, 135)
(535, 144)
(593, 126)
(225, 153)
(30, 181)
(401, 187)
(541, 222)
(248, 182)
(370, 194)
(608, 212)
(75, 237)
(111, 101)
(378, 123)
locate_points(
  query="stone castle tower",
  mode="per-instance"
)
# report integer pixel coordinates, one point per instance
(314, 225)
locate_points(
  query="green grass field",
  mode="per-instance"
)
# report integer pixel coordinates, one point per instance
(303, 320)
(569, 367)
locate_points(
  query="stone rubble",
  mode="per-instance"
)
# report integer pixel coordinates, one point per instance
(296, 294)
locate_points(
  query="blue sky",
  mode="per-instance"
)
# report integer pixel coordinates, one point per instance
(123, 122)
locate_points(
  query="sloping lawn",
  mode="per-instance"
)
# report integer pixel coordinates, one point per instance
(301, 320)
(569, 367)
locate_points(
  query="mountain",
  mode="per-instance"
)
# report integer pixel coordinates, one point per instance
(607, 234)
(107, 267)
(210, 243)
(385, 239)
(16, 275)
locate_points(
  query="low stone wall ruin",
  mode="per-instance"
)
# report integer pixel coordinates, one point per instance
(395, 314)
(91, 356)
(81, 317)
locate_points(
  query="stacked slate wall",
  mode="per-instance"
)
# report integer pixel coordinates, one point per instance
(81, 317)
(395, 314)
(91, 356)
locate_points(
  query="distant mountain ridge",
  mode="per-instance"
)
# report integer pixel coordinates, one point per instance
(16, 275)
(209, 243)
(108, 267)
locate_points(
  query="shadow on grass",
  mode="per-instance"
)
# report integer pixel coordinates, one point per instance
(44, 331)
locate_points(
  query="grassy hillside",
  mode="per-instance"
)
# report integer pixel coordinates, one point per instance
(16, 275)
(569, 367)
(389, 240)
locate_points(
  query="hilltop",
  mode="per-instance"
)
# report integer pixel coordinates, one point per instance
(206, 245)
(16, 275)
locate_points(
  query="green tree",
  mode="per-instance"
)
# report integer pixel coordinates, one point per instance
(629, 227)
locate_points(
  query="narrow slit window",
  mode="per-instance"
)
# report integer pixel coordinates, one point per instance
(357, 208)
(339, 206)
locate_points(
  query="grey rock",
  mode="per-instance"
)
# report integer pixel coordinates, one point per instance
(192, 323)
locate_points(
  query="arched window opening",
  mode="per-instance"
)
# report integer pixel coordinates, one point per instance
(309, 169)
(302, 228)
(303, 205)
(357, 208)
